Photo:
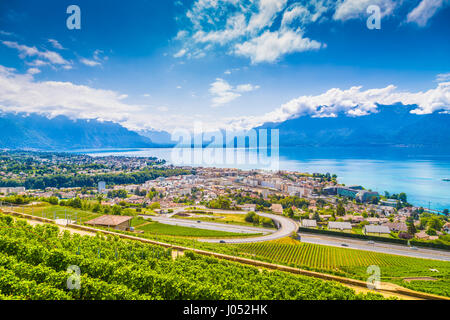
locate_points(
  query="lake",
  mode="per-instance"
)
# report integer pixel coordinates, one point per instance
(419, 172)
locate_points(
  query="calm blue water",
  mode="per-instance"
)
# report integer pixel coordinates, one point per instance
(417, 172)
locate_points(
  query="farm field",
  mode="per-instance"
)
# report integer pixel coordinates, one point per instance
(34, 262)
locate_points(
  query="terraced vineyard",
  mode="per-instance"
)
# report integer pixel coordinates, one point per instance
(323, 257)
(353, 263)
(34, 263)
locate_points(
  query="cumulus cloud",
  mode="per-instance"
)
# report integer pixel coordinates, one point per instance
(270, 46)
(249, 28)
(224, 93)
(49, 57)
(33, 71)
(351, 9)
(425, 10)
(352, 102)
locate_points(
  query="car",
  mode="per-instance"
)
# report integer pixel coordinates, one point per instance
(414, 248)
(198, 221)
(221, 241)
(370, 242)
(344, 244)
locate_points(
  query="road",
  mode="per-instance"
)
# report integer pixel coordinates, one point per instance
(377, 247)
(209, 225)
(287, 226)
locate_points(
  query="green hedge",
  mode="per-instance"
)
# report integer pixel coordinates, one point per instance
(375, 238)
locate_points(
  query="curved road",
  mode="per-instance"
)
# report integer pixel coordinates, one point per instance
(287, 226)
(209, 225)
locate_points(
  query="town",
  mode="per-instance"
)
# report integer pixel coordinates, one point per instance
(127, 185)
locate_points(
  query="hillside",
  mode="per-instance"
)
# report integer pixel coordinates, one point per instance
(392, 125)
(61, 133)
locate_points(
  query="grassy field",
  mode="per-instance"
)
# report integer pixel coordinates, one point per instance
(228, 218)
(173, 230)
(56, 212)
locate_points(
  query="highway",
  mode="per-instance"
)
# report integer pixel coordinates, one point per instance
(382, 247)
(287, 226)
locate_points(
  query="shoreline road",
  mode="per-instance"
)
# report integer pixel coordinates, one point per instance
(210, 225)
(377, 246)
(286, 227)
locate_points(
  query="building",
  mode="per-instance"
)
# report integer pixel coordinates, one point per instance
(112, 221)
(352, 192)
(307, 223)
(446, 227)
(389, 203)
(397, 226)
(248, 207)
(335, 225)
(372, 229)
(10, 190)
(276, 208)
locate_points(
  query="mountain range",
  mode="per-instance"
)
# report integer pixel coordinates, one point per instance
(390, 126)
(20, 131)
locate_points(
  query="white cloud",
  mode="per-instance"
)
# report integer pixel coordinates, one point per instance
(56, 44)
(96, 59)
(270, 46)
(249, 28)
(443, 77)
(180, 53)
(26, 51)
(21, 93)
(352, 9)
(5, 33)
(90, 63)
(425, 10)
(162, 108)
(33, 71)
(353, 102)
(224, 93)
(267, 12)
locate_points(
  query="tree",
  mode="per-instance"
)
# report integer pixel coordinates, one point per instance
(340, 210)
(402, 197)
(155, 205)
(249, 217)
(317, 216)
(116, 210)
(411, 228)
(289, 212)
(445, 211)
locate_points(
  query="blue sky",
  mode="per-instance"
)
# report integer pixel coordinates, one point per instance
(165, 64)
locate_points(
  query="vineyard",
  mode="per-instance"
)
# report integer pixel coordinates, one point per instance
(352, 263)
(34, 263)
